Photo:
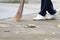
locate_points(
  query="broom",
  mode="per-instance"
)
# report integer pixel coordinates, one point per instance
(19, 12)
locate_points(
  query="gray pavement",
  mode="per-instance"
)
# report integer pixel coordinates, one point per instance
(9, 10)
(45, 30)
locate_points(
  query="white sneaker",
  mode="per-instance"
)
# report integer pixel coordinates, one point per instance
(50, 17)
(39, 17)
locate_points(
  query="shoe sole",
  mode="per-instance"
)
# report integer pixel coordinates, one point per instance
(39, 19)
(50, 19)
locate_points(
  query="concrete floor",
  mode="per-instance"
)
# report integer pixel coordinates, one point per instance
(45, 30)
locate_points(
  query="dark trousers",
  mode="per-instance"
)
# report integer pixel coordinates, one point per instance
(46, 5)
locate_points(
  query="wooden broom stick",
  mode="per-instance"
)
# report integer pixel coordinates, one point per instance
(19, 12)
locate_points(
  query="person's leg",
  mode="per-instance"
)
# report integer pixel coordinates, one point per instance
(43, 7)
(51, 10)
(42, 13)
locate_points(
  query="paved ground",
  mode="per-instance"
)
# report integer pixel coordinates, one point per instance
(45, 30)
(9, 10)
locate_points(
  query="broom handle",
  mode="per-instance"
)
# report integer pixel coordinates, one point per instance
(20, 10)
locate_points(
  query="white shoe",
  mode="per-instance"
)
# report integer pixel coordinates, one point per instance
(50, 17)
(39, 17)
